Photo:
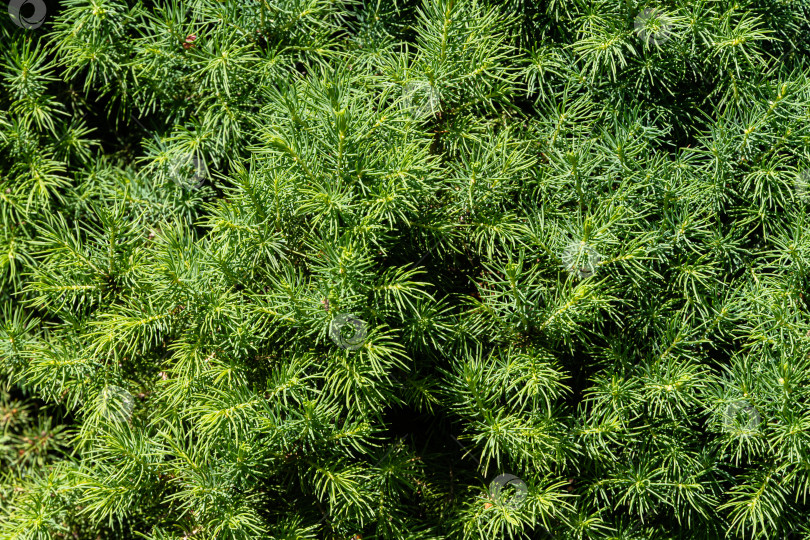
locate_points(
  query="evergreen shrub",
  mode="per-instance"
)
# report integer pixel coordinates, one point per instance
(404, 269)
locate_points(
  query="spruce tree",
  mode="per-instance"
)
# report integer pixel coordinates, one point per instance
(404, 269)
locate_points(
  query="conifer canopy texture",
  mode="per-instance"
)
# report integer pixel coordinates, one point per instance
(404, 269)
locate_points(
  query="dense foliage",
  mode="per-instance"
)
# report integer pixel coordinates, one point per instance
(301, 269)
